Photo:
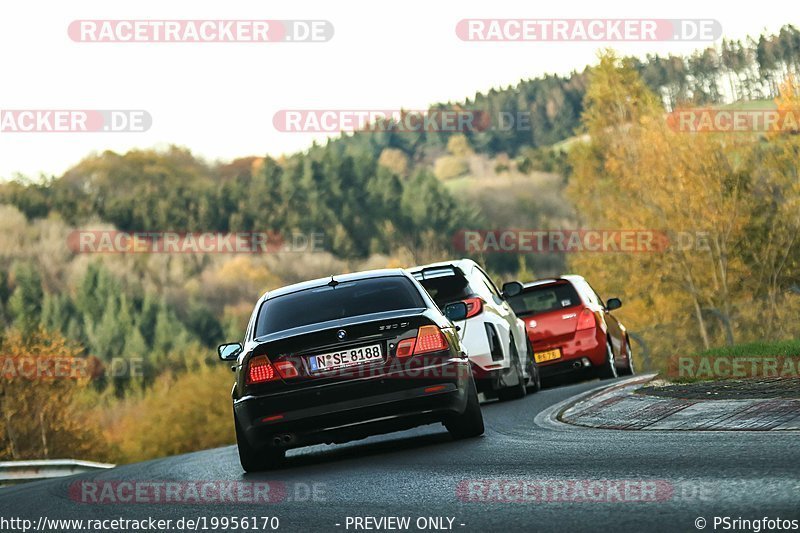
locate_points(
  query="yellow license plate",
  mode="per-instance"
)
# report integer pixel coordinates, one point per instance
(549, 355)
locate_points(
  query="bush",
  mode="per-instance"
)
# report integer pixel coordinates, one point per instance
(449, 167)
(176, 415)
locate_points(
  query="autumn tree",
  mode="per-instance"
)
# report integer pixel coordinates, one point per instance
(612, 188)
(704, 192)
(43, 410)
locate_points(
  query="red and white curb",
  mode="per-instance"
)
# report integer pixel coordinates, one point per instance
(619, 407)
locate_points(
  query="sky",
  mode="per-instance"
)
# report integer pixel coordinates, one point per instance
(219, 99)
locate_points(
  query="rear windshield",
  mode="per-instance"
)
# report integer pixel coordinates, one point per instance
(447, 289)
(545, 298)
(346, 300)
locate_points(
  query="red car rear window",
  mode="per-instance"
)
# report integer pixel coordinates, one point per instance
(544, 298)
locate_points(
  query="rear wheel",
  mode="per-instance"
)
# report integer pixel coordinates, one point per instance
(629, 370)
(470, 422)
(514, 392)
(256, 459)
(608, 370)
(535, 383)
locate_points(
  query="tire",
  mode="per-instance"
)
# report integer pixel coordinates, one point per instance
(256, 459)
(514, 392)
(629, 370)
(608, 370)
(469, 423)
(535, 383)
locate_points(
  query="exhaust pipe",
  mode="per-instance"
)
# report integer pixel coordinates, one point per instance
(284, 440)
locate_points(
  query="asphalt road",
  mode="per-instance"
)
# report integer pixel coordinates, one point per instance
(417, 474)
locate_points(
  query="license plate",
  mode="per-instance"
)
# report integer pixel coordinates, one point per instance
(548, 355)
(360, 355)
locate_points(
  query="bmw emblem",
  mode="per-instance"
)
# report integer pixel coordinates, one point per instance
(341, 334)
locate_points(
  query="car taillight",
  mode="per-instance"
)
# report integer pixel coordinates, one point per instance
(474, 306)
(586, 320)
(259, 370)
(286, 369)
(428, 339)
(406, 347)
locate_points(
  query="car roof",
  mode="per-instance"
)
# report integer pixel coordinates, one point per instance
(341, 278)
(546, 281)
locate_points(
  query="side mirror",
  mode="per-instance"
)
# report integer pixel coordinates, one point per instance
(229, 351)
(456, 311)
(613, 303)
(512, 288)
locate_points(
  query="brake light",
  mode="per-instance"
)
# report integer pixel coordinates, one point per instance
(259, 370)
(586, 320)
(430, 339)
(405, 347)
(474, 306)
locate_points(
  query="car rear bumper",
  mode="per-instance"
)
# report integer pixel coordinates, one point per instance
(347, 410)
(560, 368)
(582, 352)
(489, 381)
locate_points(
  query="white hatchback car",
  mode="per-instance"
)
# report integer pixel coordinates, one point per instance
(495, 339)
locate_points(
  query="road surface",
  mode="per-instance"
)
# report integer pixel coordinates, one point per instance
(539, 477)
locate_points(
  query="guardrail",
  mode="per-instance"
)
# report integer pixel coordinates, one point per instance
(12, 472)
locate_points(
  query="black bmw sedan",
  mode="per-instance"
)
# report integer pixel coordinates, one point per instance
(345, 357)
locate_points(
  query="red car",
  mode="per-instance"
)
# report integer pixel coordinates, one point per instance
(572, 331)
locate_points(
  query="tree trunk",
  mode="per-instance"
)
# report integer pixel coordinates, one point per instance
(697, 307)
(11, 437)
(701, 323)
(44, 435)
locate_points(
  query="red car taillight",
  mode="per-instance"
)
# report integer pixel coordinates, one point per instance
(586, 320)
(260, 370)
(429, 339)
(474, 306)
